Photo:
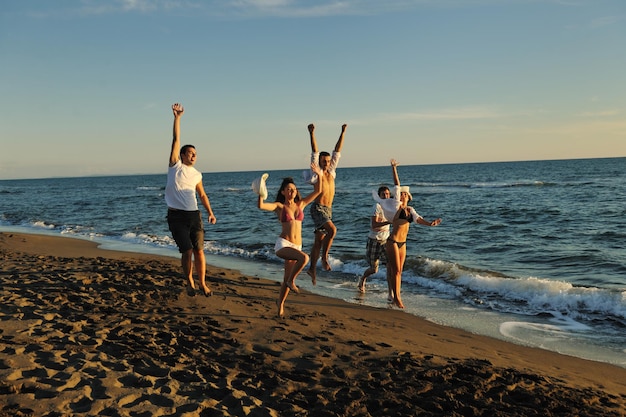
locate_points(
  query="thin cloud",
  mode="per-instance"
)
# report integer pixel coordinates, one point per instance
(269, 8)
(603, 113)
(607, 21)
(469, 113)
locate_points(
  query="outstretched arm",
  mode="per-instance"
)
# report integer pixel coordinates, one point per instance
(339, 143)
(394, 168)
(423, 222)
(311, 128)
(178, 111)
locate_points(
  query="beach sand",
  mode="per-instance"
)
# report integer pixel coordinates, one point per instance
(86, 331)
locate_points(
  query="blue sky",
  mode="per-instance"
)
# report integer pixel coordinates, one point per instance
(87, 86)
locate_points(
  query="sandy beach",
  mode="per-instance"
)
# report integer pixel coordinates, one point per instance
(86, 331)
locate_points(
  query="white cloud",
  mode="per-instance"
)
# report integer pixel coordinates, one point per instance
(607, 21)
(467, 113)
(278, 8)
(602, 113)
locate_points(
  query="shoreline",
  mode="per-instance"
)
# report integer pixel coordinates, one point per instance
(125, 325)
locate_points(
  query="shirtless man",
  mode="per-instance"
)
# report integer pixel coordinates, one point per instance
(321, 209)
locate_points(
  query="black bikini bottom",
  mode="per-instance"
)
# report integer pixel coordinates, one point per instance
(399, 244)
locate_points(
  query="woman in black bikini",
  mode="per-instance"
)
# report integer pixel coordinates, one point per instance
(403, 215)
(289, 207)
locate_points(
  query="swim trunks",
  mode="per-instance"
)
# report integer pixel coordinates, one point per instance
(375, 250)
(321, 215)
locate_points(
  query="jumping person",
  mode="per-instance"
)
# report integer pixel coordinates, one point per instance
(289, 207)
(184, 186)
(321, 210)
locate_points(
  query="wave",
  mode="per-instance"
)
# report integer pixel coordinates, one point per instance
(529, 296)
(474, 185)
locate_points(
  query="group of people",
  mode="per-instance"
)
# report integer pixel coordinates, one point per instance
(389, 223)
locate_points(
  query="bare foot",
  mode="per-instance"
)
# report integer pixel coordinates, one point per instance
(326, 265)
(281, 310)
(191, 283)
(398, 302)
(293, 287)
(311, 273)
(207, 291)
(361, 285)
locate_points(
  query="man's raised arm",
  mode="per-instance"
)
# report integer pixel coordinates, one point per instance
(311, 128)
(340, 140)
(178, 111)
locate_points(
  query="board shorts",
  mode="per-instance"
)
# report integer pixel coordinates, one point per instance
(321, 215)
(284, 243)
(375, 250)
(186, 228)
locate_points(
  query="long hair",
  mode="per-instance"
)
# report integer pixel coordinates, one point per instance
(280, 197)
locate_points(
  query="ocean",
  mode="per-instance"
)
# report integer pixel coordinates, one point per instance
(533, 253)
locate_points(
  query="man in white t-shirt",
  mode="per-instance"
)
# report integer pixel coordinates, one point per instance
(184, 186)
(379, 232)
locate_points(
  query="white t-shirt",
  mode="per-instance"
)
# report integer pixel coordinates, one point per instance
(180, 191)
(381, 233)
(391, 205)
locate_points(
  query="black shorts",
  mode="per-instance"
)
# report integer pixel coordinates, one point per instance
(186, 228)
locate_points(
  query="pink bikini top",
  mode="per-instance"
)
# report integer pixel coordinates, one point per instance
(285, 217)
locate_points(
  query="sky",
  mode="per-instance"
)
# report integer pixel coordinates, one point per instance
(87, 85)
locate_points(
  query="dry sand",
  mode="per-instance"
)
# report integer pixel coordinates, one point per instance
(85, 331)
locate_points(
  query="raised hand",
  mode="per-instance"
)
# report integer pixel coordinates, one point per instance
(178, 109)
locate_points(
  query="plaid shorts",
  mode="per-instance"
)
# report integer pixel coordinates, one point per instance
(375, 250)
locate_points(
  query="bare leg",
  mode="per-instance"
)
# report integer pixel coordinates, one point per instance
(392, 266)
(186, 261)
(295, 261)
(327, 242)
(389, 284)
(315, 254)
(284, 288)
(282, 296)
(369, 271)
(398, 277)
(200, 264)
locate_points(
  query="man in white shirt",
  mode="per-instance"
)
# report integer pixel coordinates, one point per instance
(184, 185)
(379, 232)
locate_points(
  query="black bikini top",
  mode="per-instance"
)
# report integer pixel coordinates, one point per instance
(405, 214)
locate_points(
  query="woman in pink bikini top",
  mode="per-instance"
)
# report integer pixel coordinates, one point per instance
(289, 207)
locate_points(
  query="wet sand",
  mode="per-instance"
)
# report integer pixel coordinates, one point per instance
(85, 331)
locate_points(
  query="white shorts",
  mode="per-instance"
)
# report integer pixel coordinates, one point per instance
(284, 243)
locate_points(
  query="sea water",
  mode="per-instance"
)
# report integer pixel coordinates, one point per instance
(533, 253)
